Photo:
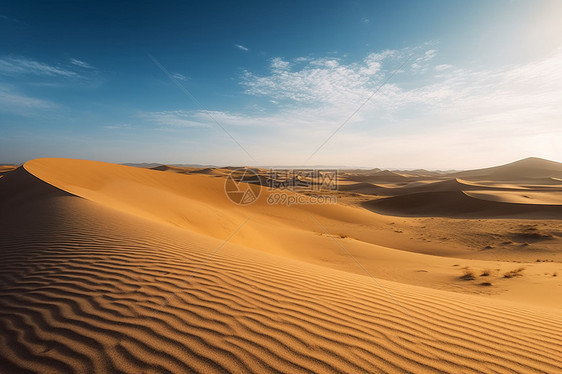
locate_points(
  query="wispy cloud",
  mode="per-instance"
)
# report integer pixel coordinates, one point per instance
(447, 108)
(241, 47)
(120, 126)
(25, 66)
(175, 118)
(16, 102)
(365, 20)
(442, 67)
(80, 63)
(179, 76)
(422, 62)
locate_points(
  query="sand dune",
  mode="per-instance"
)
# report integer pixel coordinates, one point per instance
(529, 168)
(175, 169)
(192, 170)
(465, 204)
(419, 186)
(523, 197)
(109, 268)
(487, 193)
(366, 188)
(384, 176)
(455, 184)
(195, 202)
(6, 168)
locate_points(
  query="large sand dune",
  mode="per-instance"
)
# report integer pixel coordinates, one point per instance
(107, 268)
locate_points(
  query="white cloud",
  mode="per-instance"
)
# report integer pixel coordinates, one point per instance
(432, 121)
(319, 81)
(21, 66)
(81, 63)
(448, 117)
(325, 62)
(365, 20)
(373, 62)
(422, 62)
(174, 118)
(179, 77)
(241, 47)
(121, 126)
(15, 102)
(278, 64)
(442, 67)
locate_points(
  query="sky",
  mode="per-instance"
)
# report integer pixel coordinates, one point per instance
(395, 84)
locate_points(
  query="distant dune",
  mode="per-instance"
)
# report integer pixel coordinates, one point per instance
(6, 168)
(108, 268)
(468, 205)
(380, 176)
(520, 197)
(525, 189)
(417, 185)
(529, 168)
(193, 170)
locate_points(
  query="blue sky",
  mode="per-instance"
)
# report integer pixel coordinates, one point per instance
(468, 83)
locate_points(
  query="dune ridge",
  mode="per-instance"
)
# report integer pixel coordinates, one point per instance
(529, 168)
(467, 204)
(86, 287)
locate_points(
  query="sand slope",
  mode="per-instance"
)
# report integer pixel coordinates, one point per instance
(520, 197)
(6, 169)
(465, 204)
(529, 168)
(89, 284)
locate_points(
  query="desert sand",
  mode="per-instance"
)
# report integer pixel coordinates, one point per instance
(108, 268)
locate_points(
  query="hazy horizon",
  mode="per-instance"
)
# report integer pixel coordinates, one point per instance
(303, 166)
(440, 85)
